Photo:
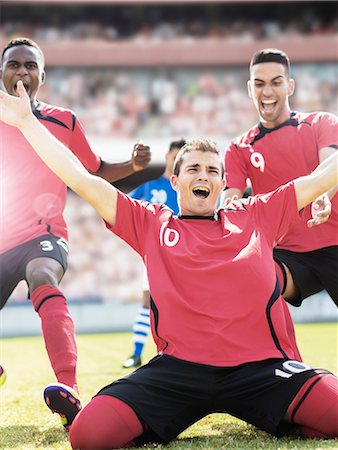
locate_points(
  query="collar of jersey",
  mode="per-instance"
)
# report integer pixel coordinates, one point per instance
(290, 121)
(184, 217)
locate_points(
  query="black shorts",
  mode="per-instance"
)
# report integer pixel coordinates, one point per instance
(312, 271)
(13, 262)
(169, 394)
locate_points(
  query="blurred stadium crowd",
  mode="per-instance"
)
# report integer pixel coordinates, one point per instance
(163, 21)
(159, 102)
(175, 102)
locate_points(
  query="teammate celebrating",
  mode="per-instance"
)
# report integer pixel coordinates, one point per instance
(283, 146)
(155, 191)
(196, 263)
(33, 245)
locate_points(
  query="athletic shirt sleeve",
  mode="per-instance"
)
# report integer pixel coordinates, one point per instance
(325, 127)
(134, 219)
(275, 212)
(138, 193)
(235, 168)
(81, 147)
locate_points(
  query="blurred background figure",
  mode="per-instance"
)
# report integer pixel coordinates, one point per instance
(2, 375)
(155, 191)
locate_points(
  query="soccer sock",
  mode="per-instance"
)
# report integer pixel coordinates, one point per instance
(141, 329)
(314, 408)
(106, 422)
(58, 332)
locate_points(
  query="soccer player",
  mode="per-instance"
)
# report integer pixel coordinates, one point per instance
(155, 191)
(33, 243)
(217, 312)
(285, 145)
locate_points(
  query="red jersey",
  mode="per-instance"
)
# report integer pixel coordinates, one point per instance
(272, 157)
(215, 298)
(32, 197)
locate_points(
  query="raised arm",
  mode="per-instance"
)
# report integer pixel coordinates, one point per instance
(321, 180)
(16, 111)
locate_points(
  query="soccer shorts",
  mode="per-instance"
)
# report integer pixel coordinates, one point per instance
(312, 271)
(170, 394)
(13, 262)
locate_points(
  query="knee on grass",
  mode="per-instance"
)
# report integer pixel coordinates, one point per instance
(106, 422)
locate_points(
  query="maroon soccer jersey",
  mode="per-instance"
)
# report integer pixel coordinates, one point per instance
(272, 157)
(32, 198)
(212, 280)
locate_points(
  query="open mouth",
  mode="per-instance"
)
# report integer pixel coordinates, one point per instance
(269, 105)
(25, 85)
(201, 192)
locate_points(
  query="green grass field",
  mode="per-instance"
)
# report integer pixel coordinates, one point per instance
(26, 423)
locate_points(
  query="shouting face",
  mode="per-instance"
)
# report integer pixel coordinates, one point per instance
(270, 87)
(25, 63)
(199, 183)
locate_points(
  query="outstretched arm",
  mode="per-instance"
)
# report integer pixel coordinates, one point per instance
(140, 158)
(16, 111)
(321, 180)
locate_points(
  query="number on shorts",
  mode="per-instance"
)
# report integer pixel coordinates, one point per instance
(63, 243)
(291, 367)
(46, 246)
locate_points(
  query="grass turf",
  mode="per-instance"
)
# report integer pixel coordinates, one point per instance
(26, 423)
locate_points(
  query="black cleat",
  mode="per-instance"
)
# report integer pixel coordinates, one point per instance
(63, 400)
(133, 361)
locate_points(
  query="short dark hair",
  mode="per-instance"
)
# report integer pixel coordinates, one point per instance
(177, 144)
(271, 55)
(22, 41)
(200, 145)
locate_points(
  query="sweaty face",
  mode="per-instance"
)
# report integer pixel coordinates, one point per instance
(24, 63)
(199, 183)
(269, 87)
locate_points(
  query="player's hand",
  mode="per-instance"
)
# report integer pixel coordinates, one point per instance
(141, 156)
(229, 200)
(14, 110)
(320, 210)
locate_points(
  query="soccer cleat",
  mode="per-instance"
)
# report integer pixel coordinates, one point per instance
(133, 361)
(2, 375)
(63, 400)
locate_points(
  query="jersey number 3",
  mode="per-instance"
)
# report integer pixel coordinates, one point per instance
(47, 246)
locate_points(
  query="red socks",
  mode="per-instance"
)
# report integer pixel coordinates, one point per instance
(315, 409)
(105, 423)
(58, 332)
